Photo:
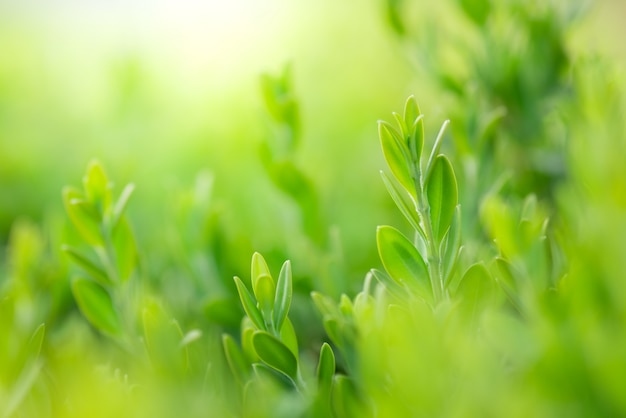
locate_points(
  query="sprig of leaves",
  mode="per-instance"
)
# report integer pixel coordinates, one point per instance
(426, 194)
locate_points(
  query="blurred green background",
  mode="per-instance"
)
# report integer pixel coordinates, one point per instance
(161, 90)
(167, 95)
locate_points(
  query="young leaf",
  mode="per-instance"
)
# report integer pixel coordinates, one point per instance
(236, 360)
(442, 192)
(325, 368)
(402, 260)
(282, 301)
(396, 155)
(411, 111)
(258, 268)
(249, 305)
(275, 354)
(95, 303)
(85, 262)
(264, 293)
(416, 141)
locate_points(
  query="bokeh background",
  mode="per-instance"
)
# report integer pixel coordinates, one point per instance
(162, 90)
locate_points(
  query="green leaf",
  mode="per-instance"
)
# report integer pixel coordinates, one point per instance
(404, 202)
(411, 111)
(396, 155)
(95, 303)
(288, 336)
(264, 293)
(282, 301)
(237, 362)
(442, 192)
(249, 305)
(402, 260)
(476, 288)
(325, 368)
(258, 268)
(85, 262)
(275, 354)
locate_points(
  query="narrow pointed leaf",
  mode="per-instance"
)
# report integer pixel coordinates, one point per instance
(249, 305)
(284, 290)
(396, 155)
(442, 192)
(325, 368)
(237, 362)
(264, 293)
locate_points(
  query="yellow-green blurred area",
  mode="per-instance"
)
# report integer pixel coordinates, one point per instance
(159, 91)
(168, 95)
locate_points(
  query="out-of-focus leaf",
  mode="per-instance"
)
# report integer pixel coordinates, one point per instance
(282, 301)
(402, 260)
(442, 192)
(95, 303)
(249, 306)
(85, 262)
(325, 368)
(275, 354)
(237, 362)
(476, 288)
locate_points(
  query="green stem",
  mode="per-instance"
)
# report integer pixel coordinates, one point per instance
(433, 258)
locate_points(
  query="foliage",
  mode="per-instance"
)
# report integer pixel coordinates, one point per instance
(497, 292)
